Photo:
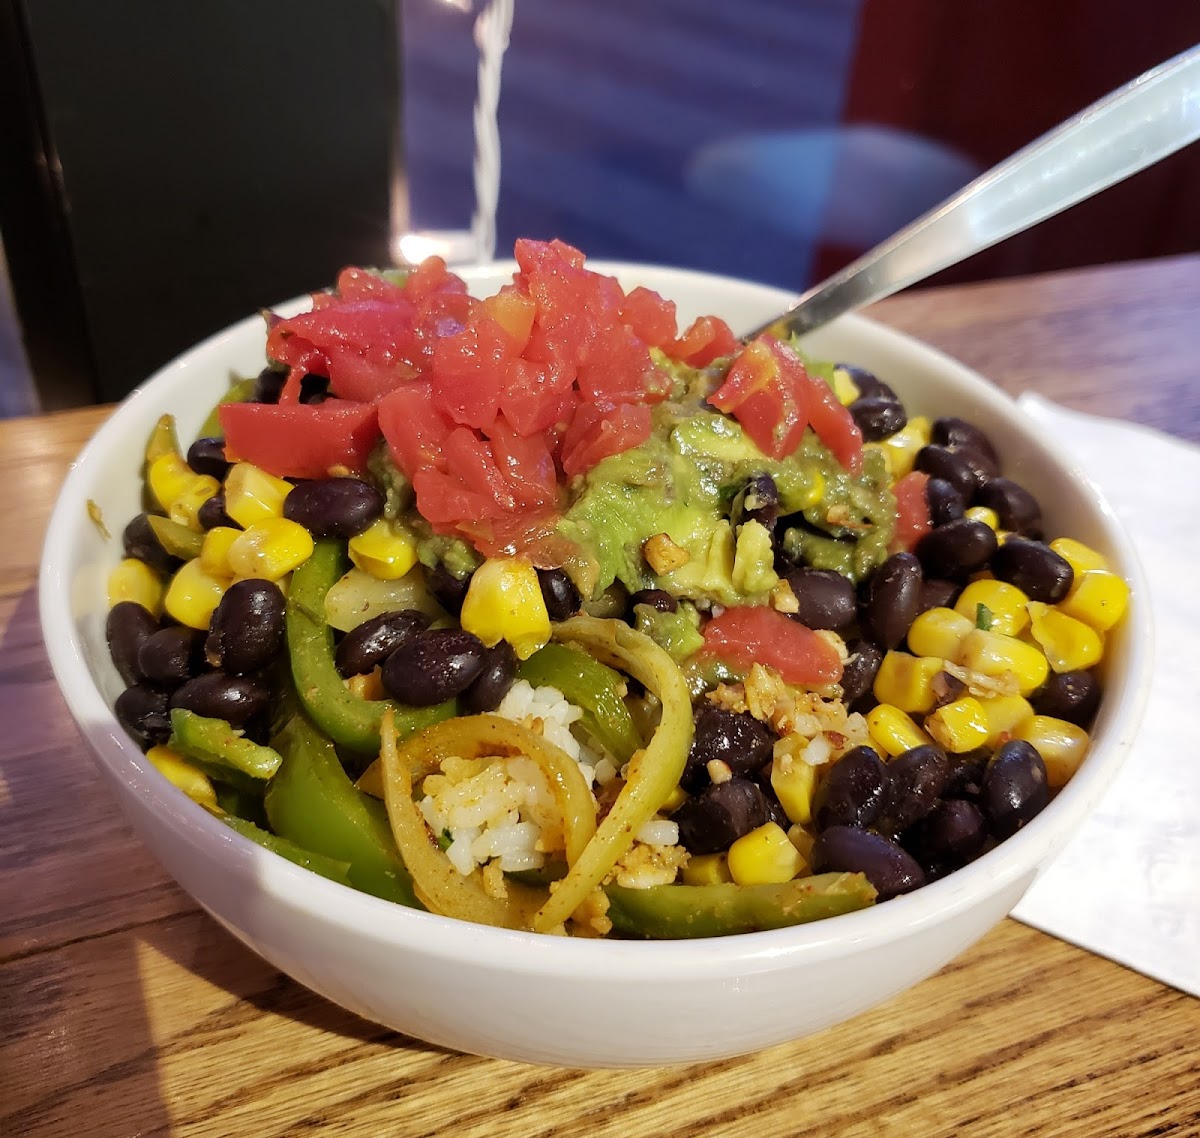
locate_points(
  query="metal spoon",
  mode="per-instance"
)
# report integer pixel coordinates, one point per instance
(1126, 131)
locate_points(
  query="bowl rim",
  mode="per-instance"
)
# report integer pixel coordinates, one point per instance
(526, 952)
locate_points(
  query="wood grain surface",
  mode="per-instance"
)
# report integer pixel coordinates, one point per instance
(126, 1011)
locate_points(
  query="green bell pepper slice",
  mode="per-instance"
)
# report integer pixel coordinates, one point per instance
(326, 866)
(220, 752)
(312, 802)
(349, 721)
(593, 687)
(674, 912)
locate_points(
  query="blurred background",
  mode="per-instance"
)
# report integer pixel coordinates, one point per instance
(168, 169)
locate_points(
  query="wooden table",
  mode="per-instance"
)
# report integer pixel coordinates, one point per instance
(124, 1010)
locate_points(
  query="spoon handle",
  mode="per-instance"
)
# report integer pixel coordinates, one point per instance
(1124, 132)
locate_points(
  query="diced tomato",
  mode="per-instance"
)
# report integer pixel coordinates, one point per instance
(597, 432)
(649, 317)
(468, 371)
(614, 367)
(912, 511)
(707, 338)
(747, 635)
(514, 313)
(526, 464)
(832, 421)
(429, 277)
(362, 284)
(300, 440)
(762, 392)
(415, 430)
(537, 396)
(444, 499)
(769, 391)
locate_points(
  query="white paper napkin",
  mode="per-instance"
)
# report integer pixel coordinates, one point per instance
(1127, 886)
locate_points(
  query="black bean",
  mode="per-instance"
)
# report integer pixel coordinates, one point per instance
(877, 416)
(858, 676)
(368, 644)
(739, 741)
(966, 779)
(847, 849)
(268, 386)
(172, 655)
(1039, 572)
(946, 503)
(853, 791)
(247, 628)
(957, 549)
(917, 779)
(867, 382)
(433, 666)
(1015, 788)
(953, 832)
(236, 699)
(207, 456)
(491, 685)
(720, 814)
(953, 466)
(658, 599)
(143, 711)
(1073, 696)
(334, 507)
(827, 599)
(757, 501)
(1016, 507)
(449, 590)
(314, 388)
(892, 600)
(127, 627)
(140, 541)
(559, 592)
(212, 513)
(937, 593)
(949, 431)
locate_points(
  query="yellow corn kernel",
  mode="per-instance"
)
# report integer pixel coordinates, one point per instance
(1004, 714)
(803, 840)
(901, 448)
(764, 857)
(893, 731)
(844, 387)
(707, 869)
(674, 801)
(938, 632)
(1097, 597)
(1069, 644)
(193, 594)
(185, 509)
(385, 549)
(134, 580)
(906, 681)
(1080, 557)
(984, 514)
(168, 477)
(504, 602)
(214, 552)
(959, 726)
(179, 772)
(270, 549)
(1005, 604)
(1062, 745)
(794, 781)
(994, 654)
(252, 495)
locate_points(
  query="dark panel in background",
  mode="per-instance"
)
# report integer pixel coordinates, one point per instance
(205, 160)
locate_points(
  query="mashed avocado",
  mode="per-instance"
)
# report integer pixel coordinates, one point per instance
(681, 482)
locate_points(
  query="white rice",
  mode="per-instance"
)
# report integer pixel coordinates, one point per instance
(504, 810)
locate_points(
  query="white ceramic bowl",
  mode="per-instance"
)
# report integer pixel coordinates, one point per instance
(548, 999)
